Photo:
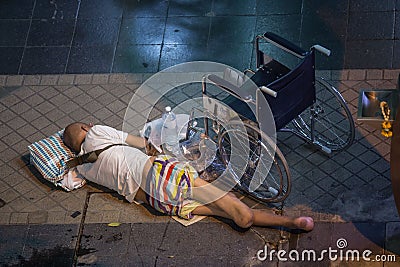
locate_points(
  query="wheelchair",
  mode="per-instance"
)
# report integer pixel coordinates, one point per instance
(300, 103)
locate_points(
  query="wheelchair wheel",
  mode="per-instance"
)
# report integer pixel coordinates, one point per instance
(333, 123)
(267, 177)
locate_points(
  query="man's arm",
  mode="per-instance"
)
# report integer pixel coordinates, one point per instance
(136, 141)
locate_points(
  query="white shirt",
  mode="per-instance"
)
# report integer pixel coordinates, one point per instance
(118, 168)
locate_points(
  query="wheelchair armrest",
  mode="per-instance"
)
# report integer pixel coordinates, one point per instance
(224, 84)
(284, 44)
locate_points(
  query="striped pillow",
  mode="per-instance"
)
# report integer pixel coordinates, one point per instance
(49, 156)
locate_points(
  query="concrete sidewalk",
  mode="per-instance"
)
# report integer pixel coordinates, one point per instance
(348, 194)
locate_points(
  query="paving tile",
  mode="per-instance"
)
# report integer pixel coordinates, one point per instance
(362, 6)
(241, 52)
(354, 182)
(9, 100)
(141, 58)
(19, 218)
(286, 28)
(44, 60)
(313, 192)
(100, 260)
(180, 53)
(325, 27)
(93, 106)
(305, 166)
(55, 11)
(132, 9)
(187, 30)
(359, 53)
(100, 9)
(238, 28)
(280, 7)
(100, 79)
(78, 114)
(101, 239)
(141, 31)
(34, 100)
(51, 32)
(317, 158)
(361, 236)
(12, 10)
(392, 240)
(11, 55)
(316, 7)
(20, 108)
(96, 32)
(328, 183)
(3, 79)
(369, 157)
(151, 245)
(315, 241)
(374, 74)
(6, 171)
(361, 28)
(56, 217)
(102, 206)
(94, 59)
(49, 80)
(120, 91)
(226, 242)
(380, 165)
(368, 174)
(49, 245)
(229, 8)
(396, 57)
(292, 157)
(9, 195)
(14, 32)
(12, 242)
(24, 187)
(45, 107)
(355, 166)
(183, 8)
(66, 79)
(180, 260)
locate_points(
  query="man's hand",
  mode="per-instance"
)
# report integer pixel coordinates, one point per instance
(151, 150)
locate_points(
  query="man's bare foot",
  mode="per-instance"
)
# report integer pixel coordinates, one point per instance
(304, 223)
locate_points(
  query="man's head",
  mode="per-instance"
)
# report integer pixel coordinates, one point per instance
(74, 135)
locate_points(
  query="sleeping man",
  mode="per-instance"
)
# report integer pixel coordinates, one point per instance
(167, 185)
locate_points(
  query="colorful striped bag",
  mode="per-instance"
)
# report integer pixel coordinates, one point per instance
(49, 156)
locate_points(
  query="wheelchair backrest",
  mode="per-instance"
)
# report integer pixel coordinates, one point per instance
(296, 90)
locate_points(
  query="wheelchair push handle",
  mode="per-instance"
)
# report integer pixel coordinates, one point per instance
(268, 91)
(322, 49)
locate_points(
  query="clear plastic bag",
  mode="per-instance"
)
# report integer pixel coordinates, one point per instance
(202, 154)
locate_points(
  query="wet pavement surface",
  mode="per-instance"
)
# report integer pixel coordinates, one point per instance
(119, 36)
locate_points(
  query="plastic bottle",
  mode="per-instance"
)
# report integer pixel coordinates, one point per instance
(170, 131)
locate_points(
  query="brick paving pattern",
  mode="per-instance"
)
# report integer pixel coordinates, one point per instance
(347, 188)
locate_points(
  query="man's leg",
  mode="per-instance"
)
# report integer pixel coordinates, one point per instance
(261, 218)
(141, 196)
(221, 204)
(229, 206)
